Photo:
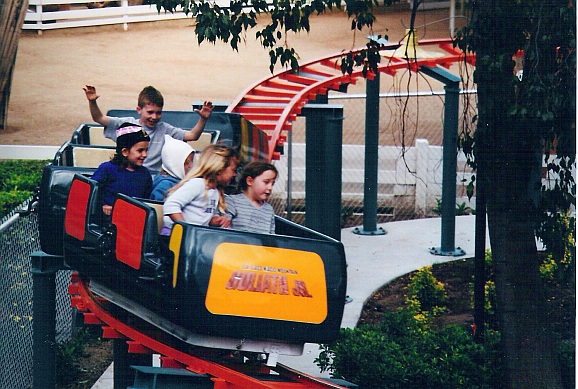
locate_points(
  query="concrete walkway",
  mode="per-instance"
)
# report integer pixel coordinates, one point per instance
(372, 262)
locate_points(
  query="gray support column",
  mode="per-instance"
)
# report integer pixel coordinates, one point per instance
(323, 134)
(371, 160)
(289, 207)
(450, 148)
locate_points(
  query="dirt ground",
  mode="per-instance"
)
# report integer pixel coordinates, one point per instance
(47, 102)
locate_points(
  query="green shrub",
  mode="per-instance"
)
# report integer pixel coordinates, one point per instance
(18, 180)
(403, 352)
(488, 265)
(548, 268)
(425, 289)
(558, 231)
(461, 209)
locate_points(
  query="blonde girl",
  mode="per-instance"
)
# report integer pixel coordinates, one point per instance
(199, 197)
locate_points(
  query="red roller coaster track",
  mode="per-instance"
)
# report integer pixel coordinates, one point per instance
(273, 103)
(224, 375)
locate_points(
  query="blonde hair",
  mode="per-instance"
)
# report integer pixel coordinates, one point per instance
(213, 159)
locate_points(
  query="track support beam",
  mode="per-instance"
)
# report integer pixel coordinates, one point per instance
(324, 135)
(43, 269)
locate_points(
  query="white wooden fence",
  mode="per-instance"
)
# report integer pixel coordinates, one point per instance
(52, 14)
(416, 186)
(27, 152)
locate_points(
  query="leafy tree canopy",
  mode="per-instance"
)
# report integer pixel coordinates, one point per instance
(230, 24)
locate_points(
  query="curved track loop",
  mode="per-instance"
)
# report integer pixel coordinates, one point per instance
(273, 103)
(224, 376)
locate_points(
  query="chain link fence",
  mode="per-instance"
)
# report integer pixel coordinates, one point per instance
(410, 158)
(19, 238)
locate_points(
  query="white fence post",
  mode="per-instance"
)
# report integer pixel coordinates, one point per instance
(422, 176)
(39, 22)
(124, 6)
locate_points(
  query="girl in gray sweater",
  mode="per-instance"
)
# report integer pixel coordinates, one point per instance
(249, 210)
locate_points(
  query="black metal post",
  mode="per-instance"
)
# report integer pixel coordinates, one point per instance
(333, 172)
(43, 269)
(371, 159)
(323, 131)
(450, 147)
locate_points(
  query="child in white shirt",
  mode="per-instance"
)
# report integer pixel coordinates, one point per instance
(199, 197)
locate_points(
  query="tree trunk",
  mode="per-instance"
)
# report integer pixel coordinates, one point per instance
(507, 151)
(530, 360)
(12, 14)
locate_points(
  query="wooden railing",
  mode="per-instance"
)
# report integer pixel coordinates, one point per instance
(52, 14)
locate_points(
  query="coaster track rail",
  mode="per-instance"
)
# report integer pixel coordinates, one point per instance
(274, 102)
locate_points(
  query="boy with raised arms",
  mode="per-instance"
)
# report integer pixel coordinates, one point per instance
(150, 109)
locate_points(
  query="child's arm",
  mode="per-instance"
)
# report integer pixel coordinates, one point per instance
(220, 221)
(95, 112)
(107, 210)
(174, 204)
(100, 175)
(175, 216)
(204, 113)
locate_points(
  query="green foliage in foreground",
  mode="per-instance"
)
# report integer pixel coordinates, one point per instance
(18, 180)
(406, 352)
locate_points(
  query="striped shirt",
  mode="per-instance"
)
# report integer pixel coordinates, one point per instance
(246, 217)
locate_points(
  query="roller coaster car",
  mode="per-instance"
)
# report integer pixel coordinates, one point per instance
(209, 283)
(208, 287)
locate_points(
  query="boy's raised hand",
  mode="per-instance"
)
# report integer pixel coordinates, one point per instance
(205, 110)
(90, 92)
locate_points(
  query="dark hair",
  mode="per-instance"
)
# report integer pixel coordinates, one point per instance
(119, 160)
(149, 95)
(254, 169)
